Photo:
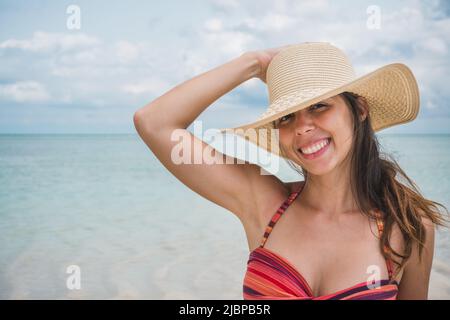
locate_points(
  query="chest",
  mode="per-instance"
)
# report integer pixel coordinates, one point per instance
(330, 254)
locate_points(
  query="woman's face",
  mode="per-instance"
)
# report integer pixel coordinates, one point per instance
(319, 137)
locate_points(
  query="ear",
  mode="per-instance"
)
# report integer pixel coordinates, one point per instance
(363, 108)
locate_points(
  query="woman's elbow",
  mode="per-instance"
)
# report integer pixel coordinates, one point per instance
(143, 122)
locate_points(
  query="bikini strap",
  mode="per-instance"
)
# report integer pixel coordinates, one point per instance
(380, 225)
(278, 214)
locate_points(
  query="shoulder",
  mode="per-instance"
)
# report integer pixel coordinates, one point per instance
(429, 228)
(294, 186)
(416, 277)
(398, 244)
(268, 200)
(270, 204)
(268, 194)
(428, 244)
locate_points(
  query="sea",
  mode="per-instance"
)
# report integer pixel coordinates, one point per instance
(97, 216)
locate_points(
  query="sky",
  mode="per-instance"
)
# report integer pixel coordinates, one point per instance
(58, 79)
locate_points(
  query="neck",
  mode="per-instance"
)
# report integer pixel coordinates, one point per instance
(330, 194)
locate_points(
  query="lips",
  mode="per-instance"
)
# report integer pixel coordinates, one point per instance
(316, 154)
(312, 143)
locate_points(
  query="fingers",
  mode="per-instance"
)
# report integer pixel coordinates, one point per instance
(276, 50)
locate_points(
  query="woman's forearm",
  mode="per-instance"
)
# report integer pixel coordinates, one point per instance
(181, 105)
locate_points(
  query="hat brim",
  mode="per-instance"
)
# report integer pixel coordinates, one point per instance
(391, 93)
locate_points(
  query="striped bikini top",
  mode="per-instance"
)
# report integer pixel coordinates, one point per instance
(270, 276)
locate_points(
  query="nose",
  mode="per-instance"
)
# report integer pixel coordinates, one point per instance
(303, 122)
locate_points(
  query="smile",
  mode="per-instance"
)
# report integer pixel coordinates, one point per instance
(315, 150)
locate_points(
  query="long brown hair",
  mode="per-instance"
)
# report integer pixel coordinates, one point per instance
(375, 183)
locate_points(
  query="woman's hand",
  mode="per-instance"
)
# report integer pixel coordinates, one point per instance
(264, 57)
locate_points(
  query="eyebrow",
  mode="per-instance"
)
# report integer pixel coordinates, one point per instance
(322, 101)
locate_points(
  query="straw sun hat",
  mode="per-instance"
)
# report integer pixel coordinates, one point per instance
(307, 73)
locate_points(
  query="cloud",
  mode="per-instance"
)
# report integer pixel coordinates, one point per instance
(214, 25)
(433, 45)
(80, 69)
(98, 70)
(126, 51)
(225, 5)
(25, 91)
(45, 42)
(415, 33)
(148, 87)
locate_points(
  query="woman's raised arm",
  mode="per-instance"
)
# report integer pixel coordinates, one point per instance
(231, 186)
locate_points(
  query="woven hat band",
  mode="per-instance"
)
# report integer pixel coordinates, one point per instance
(316, 67)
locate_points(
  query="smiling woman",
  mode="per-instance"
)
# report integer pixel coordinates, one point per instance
(325, 120)
(373, 181)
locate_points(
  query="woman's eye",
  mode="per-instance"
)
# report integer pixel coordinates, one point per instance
(317, 106)
(285, 118)
(282, 120)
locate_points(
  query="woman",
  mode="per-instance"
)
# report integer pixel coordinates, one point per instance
(324, 247)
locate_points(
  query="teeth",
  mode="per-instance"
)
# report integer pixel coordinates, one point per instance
(315, 147)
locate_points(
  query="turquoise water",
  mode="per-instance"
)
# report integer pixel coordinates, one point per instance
(106, 204)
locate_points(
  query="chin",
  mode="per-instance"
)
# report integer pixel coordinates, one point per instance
(321, 167)
(319, 171)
